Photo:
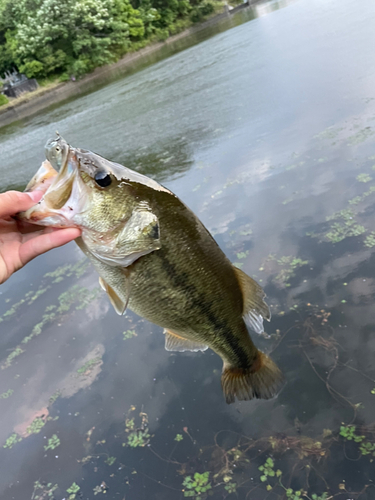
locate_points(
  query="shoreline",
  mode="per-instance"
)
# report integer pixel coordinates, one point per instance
(44, 97)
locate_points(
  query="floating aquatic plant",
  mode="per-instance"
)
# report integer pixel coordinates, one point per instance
(196, 486)
(89, 365)
(73, 490)
(12, 440)
(7, 394)
(53, 442)
(364, 178)
(129, 334)
(370, 240)
(43, 491)
(138, 433)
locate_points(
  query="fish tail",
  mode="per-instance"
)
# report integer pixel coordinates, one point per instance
(261, 380)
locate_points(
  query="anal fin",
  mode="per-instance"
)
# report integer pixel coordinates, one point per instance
(174, 342)
(118, 304)
(255, 308)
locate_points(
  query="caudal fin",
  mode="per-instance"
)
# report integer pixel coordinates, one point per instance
(262, 380)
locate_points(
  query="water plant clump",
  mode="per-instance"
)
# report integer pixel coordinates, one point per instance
(12, 440)
(43, 491)
(87, 367)
(53, 442)
(129, 334)
(345, 227)
(73, 490)
(7, 394)
(370, 240)
(137, 430)
(11, 357)
(197, 486)
(364, 178)
(289, 265)
(110, 460)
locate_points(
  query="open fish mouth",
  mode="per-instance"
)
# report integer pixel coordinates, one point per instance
(58, 179)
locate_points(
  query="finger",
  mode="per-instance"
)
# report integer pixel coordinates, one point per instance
(42, 243)
(25, 227)
(12, 202)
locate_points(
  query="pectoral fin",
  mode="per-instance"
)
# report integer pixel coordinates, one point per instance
(174, 342)
(254, 307)
(139, 236)
(118, 304)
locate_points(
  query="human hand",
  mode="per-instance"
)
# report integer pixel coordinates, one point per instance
(21, 242)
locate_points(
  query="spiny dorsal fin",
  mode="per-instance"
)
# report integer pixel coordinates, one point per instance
(118, 304)
(174, 342)
(254, 307)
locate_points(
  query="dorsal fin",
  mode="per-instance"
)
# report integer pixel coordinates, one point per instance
(174, 342)
(254, 307)
(118, 304)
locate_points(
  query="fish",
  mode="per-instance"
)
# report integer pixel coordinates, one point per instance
(156, 258)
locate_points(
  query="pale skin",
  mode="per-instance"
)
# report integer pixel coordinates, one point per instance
(21, 242)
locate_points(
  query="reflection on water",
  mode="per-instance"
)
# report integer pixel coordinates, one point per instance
(266, 131)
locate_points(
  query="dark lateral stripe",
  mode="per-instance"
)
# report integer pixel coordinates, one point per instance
(200, 302)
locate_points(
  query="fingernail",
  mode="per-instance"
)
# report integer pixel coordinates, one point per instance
(35, 195)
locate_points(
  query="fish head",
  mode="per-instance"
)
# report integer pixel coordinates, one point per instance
(102, 198)
(81, 189)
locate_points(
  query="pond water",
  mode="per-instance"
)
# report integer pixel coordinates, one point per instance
(266, 131)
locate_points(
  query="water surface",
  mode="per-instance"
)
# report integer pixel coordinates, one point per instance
(267, 132)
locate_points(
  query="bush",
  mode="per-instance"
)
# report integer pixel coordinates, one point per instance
(200, 11)
(32, 69)
(3, 99)
(64, 77)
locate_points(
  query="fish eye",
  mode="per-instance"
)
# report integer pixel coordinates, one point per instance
(103, 179)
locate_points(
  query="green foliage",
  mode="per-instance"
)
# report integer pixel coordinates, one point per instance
(12, 440)
(179, 437)
(48, 37)
(88, 365)
(348, 433)
(370, 240)
(14, 354)
(53, 442)
(364, 178)
(196, 485)
(129, 334)
(345, 228)
(231, 487)
(323, 496)
(138, 438)
(267, 470)
(110, 460)
(289, 265)
(5, 395)
(73, 490)
(138, 434)
(202, 10)
(242, 255)
(43, 491)
(3, 99)
(36, 426)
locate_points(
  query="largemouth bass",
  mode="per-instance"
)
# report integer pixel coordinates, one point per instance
(154, 256)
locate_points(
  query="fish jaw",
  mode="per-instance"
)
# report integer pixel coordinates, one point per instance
(64, 194)
(43, 179)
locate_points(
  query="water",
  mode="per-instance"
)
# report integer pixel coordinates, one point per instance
(265, 131)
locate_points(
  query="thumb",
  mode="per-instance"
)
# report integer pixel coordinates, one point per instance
(12, 202)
